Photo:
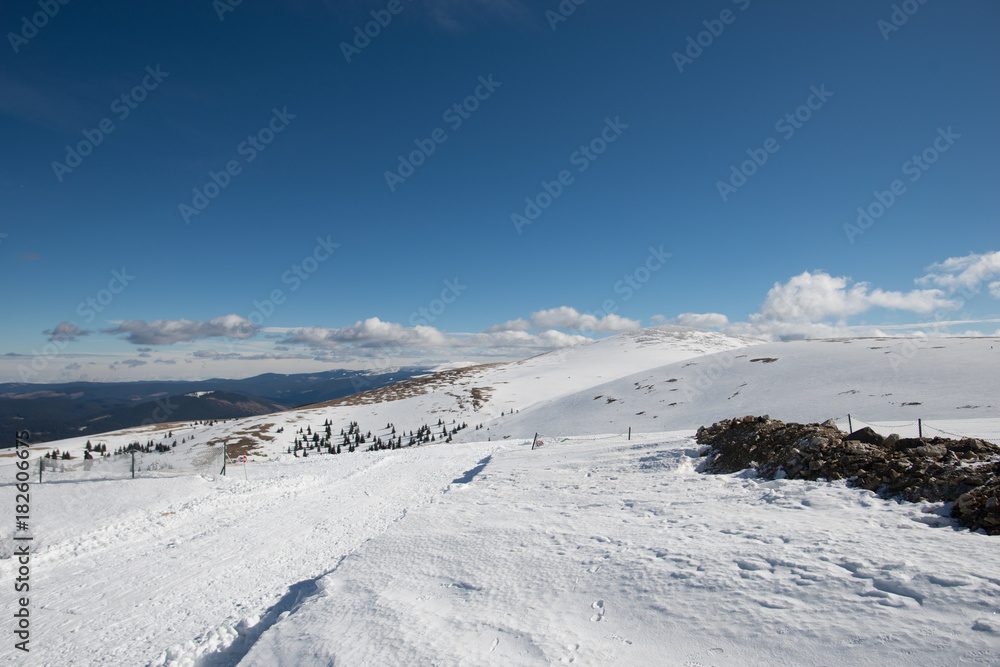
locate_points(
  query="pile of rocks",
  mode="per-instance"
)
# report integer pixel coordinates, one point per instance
(963, 472)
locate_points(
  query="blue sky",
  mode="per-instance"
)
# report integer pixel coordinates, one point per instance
(694, 163)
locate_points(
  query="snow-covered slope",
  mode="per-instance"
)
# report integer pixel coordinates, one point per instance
(475, 395)
(593, 549)
(881, 380)
(604, 551)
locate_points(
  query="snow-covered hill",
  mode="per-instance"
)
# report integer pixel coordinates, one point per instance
(945, 382)
(649, 380)
(592, 549)
(474, 395)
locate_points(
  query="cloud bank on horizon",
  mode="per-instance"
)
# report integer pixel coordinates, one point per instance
(812, 304)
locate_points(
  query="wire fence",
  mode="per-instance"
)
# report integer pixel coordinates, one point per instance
(919, 428)
(129, 465)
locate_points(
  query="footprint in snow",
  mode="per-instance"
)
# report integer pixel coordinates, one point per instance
(599, 606)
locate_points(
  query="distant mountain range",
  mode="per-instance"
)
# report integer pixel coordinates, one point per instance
(57, 411)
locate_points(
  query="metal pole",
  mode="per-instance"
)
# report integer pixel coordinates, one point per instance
(850, 429)
(223, 458)
(41, 466)
(629, 432)
(133, 464)
(920, 427)
(534, 440)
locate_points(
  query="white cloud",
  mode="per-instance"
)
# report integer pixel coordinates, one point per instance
(371, 332)
(565, 317)
(520, 324)
(702, 320)
(967, 272)
(818, 305)
(373, 338)
(812, 297)
(995, 289)
(168, 332)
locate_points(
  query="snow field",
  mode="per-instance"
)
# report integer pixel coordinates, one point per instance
(620, 553)
(592, 549)
(129, 571)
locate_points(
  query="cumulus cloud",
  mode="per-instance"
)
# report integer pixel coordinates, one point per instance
(818, 305)
(168, 332)
(373, 338)
(812, 297)
(967, 272)
(65, 331)
(369, 333)
(702, 320)
(995, 289)
(565, 317)
(520, 324)
(568, 318)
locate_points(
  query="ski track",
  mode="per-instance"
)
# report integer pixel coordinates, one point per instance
(135, 586)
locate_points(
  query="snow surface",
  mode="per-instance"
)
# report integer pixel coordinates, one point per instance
(593, 549)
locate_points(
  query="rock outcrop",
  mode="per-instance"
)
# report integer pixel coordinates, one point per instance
(963, 472)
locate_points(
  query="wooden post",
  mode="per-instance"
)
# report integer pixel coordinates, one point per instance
(920, 428)
(133, 464)
(850, 429)
(223, 459)
(629, 432)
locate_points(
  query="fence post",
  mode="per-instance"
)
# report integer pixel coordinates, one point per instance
(920, 428)
(41, 466)
(534, 440)
(850, 429)
(133, 464)
(629, 432)
(223, 459)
